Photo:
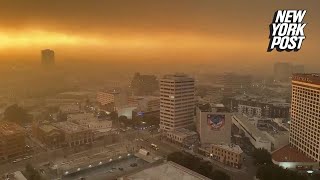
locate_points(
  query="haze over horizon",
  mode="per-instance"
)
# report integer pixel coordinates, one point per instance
(232, 35)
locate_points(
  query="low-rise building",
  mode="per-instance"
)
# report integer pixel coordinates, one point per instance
(90, 121)
(50, 136)
(75, 134)
(98, 127)
(149, 103)
(12, 140)
(182, 136)
(229, 154)
(257, 137)
(147, 106)
(69, 108)
(291, 158)
(251, 111)
(117, 97)
(257, 106)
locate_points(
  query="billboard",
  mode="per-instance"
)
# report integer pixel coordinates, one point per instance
(215, 121)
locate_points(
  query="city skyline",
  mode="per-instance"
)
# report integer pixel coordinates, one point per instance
(159, 90)
(161, 32)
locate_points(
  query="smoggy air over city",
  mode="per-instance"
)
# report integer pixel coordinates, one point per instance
(158, 90)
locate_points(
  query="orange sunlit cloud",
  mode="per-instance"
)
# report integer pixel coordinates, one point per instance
(40, 38)
(36, 38)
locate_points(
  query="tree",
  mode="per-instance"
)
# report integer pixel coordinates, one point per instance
(219, 175)
(62, 116)
(196, 164)
(274, 172)
(123, 118)
(32, 173)
(16, 114)
(102, 114)
(315, 177)
(262, 156)
(151, 120)
(113, 115)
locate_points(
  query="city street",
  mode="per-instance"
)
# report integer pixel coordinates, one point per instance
(62, 154)
(130, 141)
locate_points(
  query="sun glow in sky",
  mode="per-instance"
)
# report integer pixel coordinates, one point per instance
(33, 39)
(38, 38)
(211, 31)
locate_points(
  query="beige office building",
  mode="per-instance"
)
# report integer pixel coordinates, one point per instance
(228, 154)
(177, 102)
(305, 114)
(213, 125)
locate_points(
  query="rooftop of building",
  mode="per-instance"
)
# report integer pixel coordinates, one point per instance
(47, 128)
(166, 171)
(47, 50)
(81, 116)
(69, 127)
(290, 154)
(230, 147)
(218, 105)
(144, 76)
(75, 93)
(261, 99)
(255, 132)
(177, 76)
(10, 128)
(182, 132)
(110, 91)
(205, 107)
(312, 78)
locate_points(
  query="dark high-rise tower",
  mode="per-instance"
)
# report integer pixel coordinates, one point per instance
(47, 57)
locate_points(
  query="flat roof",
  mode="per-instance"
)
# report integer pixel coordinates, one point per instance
(231, 147)
(75, 93)
(167, 171)
(182, 132)
(250, 127)
(47, 128)
(177, 77)
(69, 127)
(312, 78)
(290, 154)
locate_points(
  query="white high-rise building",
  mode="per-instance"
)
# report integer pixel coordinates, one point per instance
(305, 114)
(177, 102)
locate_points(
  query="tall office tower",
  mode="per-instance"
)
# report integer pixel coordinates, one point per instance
(47, 57)
(143, 85)
(282, 71)
(177, 102)
(305, 114)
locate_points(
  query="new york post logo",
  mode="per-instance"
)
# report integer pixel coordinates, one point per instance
(287, 30)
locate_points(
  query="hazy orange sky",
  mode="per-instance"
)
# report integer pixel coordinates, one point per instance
(194, 30)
